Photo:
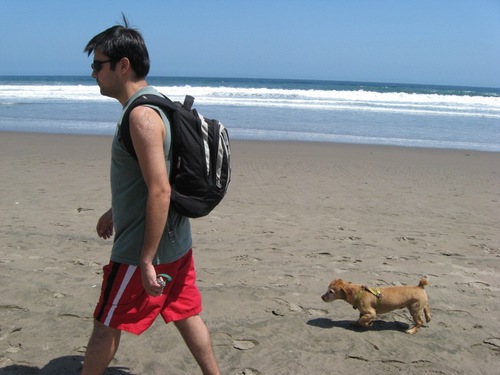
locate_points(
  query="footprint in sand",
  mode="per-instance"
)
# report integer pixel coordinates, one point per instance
(250, 371)
(316, 312)
(297, 308)
(245, 344)
(493, 342)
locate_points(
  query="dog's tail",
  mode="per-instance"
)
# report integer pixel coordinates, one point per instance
(422, 283)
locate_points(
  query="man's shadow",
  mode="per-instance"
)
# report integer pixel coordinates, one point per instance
(378, 325)
(68, 365)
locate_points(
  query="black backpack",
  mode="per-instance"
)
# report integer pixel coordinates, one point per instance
(200, 162)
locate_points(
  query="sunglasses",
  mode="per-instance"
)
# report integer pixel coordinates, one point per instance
(97, 65)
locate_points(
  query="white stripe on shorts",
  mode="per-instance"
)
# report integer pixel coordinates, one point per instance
(128, 275)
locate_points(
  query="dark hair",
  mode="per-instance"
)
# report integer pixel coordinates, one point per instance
(120, 41)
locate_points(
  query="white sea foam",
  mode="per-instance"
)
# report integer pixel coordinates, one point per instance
(333, 100)
(407, 116)
(14, 94)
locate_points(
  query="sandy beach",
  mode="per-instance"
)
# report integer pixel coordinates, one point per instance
(297, 216)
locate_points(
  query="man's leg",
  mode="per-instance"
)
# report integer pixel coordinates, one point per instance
(101, 349)
(195, 334)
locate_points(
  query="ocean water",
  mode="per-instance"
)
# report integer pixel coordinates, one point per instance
(264, 109)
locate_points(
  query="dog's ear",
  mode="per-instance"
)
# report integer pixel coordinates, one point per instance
(340, 285)
(348, 290)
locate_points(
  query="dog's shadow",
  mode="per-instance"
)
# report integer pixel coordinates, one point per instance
(378, 325)
(67, 365)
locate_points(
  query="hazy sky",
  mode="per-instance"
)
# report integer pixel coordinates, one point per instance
(451, 42)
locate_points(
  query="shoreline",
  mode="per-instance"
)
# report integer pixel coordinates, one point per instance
(297, 215)
(29, 134)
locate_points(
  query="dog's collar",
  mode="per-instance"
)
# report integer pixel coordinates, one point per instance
(376, 292)
(356, 300)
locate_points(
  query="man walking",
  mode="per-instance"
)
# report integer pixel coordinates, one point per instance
(151, 270)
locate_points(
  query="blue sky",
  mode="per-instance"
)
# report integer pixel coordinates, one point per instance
(451, 42)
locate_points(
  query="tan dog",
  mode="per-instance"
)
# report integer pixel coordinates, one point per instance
(373, 301)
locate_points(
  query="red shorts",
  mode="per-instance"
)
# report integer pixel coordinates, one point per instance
(125, 305)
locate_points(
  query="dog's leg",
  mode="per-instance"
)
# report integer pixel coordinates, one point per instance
(416, 313)
(414, 329)
(365, 319)
(427, 313)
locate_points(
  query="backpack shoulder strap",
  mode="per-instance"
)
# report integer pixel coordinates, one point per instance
(147, 99)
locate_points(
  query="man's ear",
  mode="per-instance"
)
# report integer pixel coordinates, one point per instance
(123, 65)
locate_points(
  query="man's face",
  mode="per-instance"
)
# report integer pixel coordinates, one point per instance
(104, 76)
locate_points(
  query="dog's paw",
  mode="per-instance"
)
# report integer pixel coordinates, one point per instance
(412, 331)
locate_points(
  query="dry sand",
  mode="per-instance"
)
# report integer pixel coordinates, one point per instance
(297, 215)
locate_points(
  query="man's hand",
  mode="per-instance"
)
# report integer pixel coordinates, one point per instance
(104, 226)
(149, 280)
